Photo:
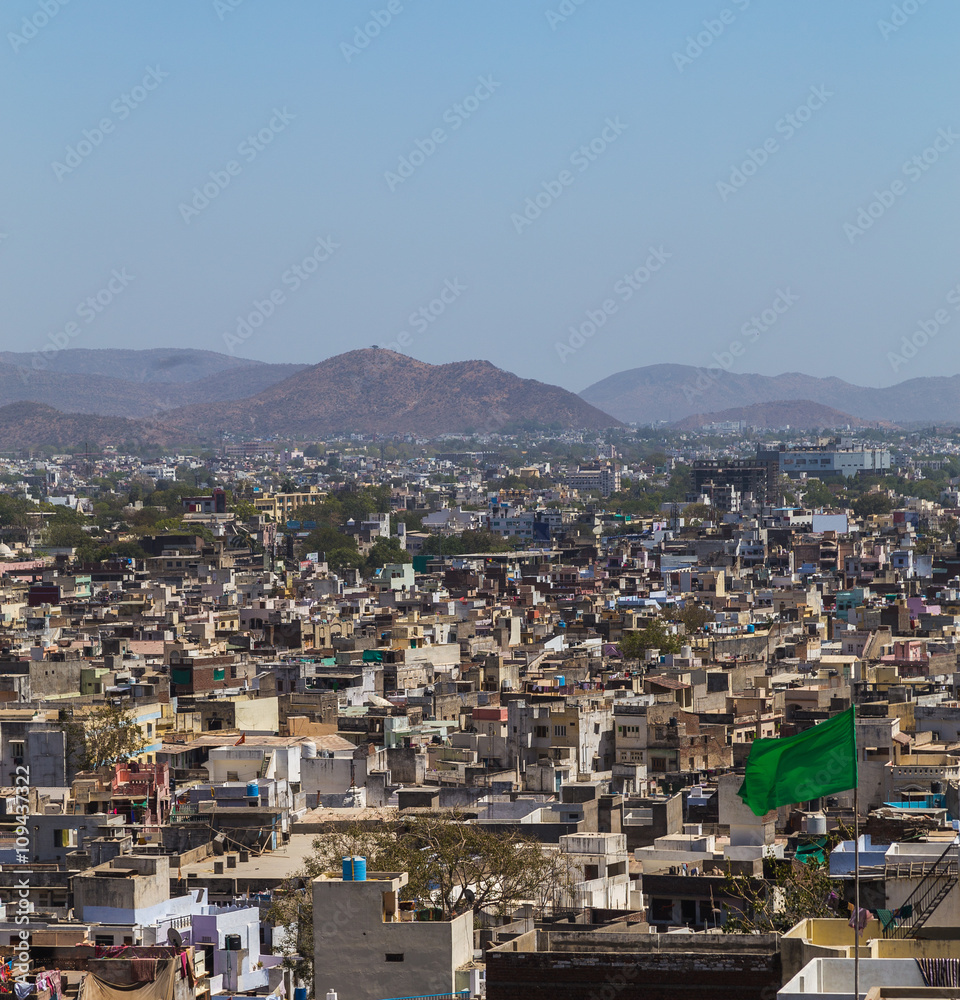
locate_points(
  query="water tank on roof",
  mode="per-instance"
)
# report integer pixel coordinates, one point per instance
(355, 869)
(686, 652)
(253, 790)
(816, 824)
(308, 749)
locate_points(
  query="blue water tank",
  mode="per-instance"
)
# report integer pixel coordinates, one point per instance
(355, 869)
(751, 629)
(561, 680)
(253, 790)
(299, 993)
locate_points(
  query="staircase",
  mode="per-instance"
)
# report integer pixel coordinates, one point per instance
(265, 766)
(933, 889)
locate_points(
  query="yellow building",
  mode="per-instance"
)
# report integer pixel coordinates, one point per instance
(279, 506)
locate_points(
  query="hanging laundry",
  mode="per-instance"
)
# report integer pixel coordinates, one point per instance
(887, 918)
(859, 919)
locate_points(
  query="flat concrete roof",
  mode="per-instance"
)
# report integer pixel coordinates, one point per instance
(272, 864)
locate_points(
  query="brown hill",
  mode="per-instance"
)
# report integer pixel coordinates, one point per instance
(35, 425)
(800, 414)
(376, 391)
(133, 383)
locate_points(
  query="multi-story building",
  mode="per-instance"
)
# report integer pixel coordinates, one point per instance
(603, 479)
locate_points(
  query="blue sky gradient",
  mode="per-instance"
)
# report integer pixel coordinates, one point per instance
(870, 85)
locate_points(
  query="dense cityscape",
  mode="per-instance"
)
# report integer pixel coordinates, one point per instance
(477, 707)
(479, 500)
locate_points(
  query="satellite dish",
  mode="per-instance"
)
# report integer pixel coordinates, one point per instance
(174, 938)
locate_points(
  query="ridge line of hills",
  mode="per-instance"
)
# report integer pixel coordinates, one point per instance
(165, 395)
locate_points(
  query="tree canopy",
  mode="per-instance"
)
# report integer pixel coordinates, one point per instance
(107, 735)
(653, 636)
(453, 865)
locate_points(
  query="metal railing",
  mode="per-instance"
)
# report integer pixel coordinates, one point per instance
(462, 995)
(934, 887)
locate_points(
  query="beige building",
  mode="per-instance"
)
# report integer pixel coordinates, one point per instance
(366, 947)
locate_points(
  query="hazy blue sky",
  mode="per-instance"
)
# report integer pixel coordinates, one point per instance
(516, 87)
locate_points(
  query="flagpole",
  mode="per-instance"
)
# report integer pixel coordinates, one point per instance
(856, 865)
(856, 890)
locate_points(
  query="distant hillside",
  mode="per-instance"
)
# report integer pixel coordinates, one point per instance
(672, 392)
(139, 384)
(379, 392)
(35, 425)
(159, 364)
(800, 414)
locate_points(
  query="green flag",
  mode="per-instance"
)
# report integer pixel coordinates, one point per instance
(817, 762)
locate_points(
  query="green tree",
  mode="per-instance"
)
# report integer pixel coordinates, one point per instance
(386, 550)
(340, 550)
(692, 616)
(791, 891)
(451, 864)
(652, 636)
(698, 512)
(106, 735)
(872, 503)
(817, 494)
(119, 550)
(466, 541)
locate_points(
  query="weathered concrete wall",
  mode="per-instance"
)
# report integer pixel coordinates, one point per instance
(629, 967)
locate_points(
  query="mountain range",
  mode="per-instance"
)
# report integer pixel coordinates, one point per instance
(372, 391)
(128, 383)
(797, 414)
(672, 392)
(169, 395)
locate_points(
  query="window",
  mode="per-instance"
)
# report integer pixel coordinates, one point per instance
(541, 732)
(233, 776)
(659, 764)
(393, 956)
(559, 730)
(662, 910)
(103, 939)
(688, 911)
